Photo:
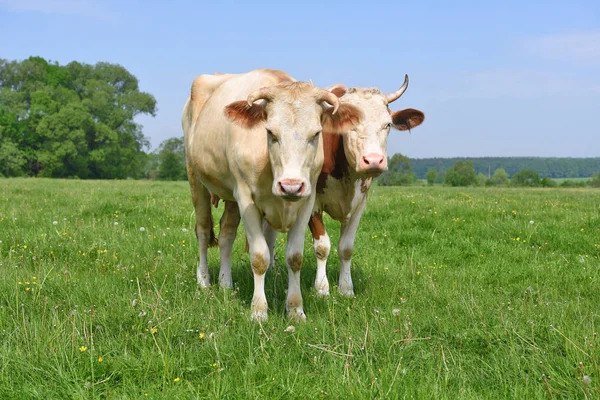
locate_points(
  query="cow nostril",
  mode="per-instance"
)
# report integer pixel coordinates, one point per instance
(366, 160)
(301, 188)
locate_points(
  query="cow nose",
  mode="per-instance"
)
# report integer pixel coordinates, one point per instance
(291, 187)
(373, 161)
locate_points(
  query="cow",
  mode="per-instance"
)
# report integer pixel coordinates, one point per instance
(352, 160)
(254, 140)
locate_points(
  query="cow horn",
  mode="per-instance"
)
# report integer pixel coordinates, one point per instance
(260, 94)
(396, 95)
(330, 98)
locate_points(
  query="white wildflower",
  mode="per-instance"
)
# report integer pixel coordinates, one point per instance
(54, 222)
(142, 314)
(134, 303)
(586, 379)
(531, 222)
(396, 311)
(290, 329)
(142, 229)
(159, 252)
(115, 223)
(184, 230)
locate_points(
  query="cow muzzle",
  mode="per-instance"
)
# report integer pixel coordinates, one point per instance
(292, 189)
(373, 164)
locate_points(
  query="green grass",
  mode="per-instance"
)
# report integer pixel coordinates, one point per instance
(458, 295)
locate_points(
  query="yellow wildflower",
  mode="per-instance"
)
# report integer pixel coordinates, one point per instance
(100, 359)
(153, 331)
(201, 335)
(176, 380)
(82, 349)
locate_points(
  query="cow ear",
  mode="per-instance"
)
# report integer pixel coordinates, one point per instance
(338, 89)
(346, 118)
(407, 119)
(245, 115)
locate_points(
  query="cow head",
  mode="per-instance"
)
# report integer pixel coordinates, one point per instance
(292, 115)
(365, 146)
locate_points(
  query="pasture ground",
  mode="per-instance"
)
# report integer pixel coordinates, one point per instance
(460, 293)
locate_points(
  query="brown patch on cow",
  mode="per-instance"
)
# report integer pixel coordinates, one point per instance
(295, 262)
(347, 253)
(407, 119)
(322, 251)
(316, 226)
(212, 238)
(245, 115)
(335, 163)
(346, 118)
(259, 264)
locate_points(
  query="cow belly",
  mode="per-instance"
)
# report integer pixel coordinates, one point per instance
(340, 198)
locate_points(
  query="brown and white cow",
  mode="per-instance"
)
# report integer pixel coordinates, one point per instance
(351, 161)
(255, 139)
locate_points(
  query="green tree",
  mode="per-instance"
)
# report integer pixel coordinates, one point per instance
(482, 179)
(431, 176)
(548, 182)
(500, 177)
(74, 120)
(526, 177)
(12, 160)
(462, 173)
(171, 160)
(595, 181)
(399, 172)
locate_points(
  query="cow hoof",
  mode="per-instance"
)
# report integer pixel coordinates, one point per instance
(204, 283)
(297, 315)
(346, 292)
(323, 292)
(225, 284)
(259, 316)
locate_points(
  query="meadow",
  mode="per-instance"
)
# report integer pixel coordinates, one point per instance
(461, 293)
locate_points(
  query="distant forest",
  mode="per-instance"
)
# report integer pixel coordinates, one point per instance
(546, 167)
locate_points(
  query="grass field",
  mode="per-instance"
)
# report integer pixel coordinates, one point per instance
(460, 293)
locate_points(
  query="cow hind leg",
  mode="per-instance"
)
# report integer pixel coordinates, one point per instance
(345, 250)
(204, 231)
(271, 238)
(228, 230)
(321, 245)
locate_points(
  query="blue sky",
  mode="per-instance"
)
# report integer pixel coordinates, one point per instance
(510, 78)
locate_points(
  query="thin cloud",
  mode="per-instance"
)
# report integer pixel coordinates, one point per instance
(84, 8)
(581, 49)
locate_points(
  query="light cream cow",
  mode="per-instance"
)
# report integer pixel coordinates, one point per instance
(351, 161)
(255, 139)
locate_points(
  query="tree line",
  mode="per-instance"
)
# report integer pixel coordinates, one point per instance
(463, 173)
(547, 167)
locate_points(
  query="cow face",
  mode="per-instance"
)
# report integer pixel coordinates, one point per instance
(365, 146)
(292, 116)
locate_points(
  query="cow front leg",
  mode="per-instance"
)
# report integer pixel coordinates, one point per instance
(321, 245)
(345, 250)
(204, 230)
(293, 260)
(259, 257)
(228, 230)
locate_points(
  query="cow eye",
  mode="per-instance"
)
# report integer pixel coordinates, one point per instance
(315, 136)
(271, 137)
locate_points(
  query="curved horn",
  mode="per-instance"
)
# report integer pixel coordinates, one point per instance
(396, 95)
(330, 98)
(261, 94)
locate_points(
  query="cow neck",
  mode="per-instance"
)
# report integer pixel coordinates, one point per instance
(335, 163)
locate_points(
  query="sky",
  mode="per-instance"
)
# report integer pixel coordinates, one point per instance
(502, 78)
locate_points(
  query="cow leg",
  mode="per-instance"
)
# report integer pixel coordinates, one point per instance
(294, 257)
(204, 230)
(228, 230)
(345, 249)
(321, 245)
(259, 256)
(271, 237)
